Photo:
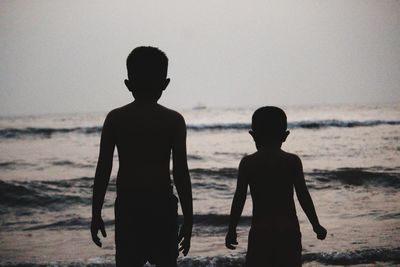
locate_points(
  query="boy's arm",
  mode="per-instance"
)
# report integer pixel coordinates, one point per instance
(238, 202)
(183, 185)
(305, 200)
(101, 179)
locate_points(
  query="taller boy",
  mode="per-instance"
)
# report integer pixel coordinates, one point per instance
(145, 133)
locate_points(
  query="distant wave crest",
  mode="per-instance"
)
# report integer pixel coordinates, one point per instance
(318, 124)
(299, 124)
(45, 132)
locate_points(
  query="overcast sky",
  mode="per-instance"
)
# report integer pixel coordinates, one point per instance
(69, 56)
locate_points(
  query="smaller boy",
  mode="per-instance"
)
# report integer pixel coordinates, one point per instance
(271, 174)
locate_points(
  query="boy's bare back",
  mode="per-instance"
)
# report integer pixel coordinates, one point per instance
(271, 176)
(144, 136)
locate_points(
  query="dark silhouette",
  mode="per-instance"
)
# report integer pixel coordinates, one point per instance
(145, 133)
(271, 174)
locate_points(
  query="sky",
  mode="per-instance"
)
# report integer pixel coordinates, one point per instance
(69, 56)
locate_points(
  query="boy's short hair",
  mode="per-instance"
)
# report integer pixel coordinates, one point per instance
(269, 121)
(146, 63)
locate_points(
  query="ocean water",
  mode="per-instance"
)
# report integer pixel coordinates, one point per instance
(351, 158)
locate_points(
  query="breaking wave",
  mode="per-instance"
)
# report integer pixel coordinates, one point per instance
(76, 223)
(367, 256)
(55, 194)
(358, 177)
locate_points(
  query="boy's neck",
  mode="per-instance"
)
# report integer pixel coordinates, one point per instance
(145, 102)
(269, 147)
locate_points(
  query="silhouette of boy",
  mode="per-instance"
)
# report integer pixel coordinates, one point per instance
(271, 174)
(145, 133)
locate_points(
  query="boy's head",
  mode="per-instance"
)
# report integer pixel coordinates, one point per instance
(147, 73)
(269, 126)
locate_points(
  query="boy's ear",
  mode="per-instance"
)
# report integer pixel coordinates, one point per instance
(128, 84)
(285, 135)
(253, 134)
(166, 83)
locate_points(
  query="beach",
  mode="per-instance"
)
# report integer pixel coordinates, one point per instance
(351, 160)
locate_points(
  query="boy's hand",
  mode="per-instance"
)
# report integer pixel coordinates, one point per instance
(231, 239)
(96, 225)
(185, 234)
(321, 232)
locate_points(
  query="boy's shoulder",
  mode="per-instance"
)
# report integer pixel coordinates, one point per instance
(127, 109)
(287, 157)
(290, 156)
(115, 116)
(291, 161)
(117, 111)
(168, 116)
(170, 112)
(171, 117)
(246, 161)
(114, 112)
